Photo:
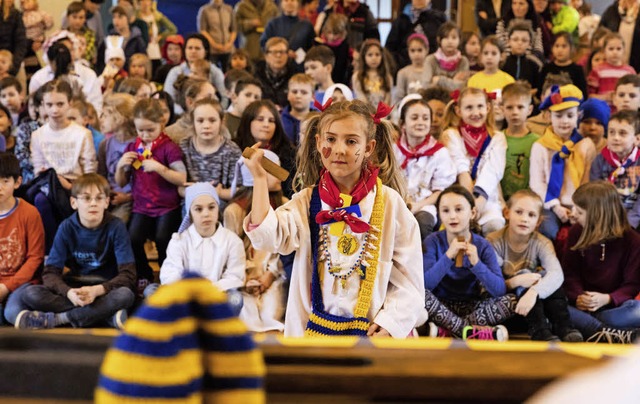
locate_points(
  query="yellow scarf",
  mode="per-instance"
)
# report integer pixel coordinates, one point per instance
(575, 162)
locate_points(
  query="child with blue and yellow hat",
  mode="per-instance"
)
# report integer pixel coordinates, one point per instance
(560, 159)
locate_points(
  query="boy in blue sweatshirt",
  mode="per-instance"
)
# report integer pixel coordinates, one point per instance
(95, 246)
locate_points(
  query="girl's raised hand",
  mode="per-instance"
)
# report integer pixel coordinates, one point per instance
(254, 164)
(128, 158)
(151, 166)
(455, 247)
(472, 253)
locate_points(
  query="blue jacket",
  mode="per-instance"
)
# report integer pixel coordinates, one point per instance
(447, 282)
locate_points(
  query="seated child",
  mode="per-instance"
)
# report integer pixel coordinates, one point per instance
(539, 123)
(338, 92)
(437, 99)
(265, 283)
(465, 290)
(205, 247)
(619, 162)
(117, 122)
(601, 267)
(245, 92)
(12, 98)
(426, 163)
(199, 69)
(21, 240)
(6, 63)
(95, 247)
(516, 106)
(300, 97)
(78, 112)
(594, 117)
(554, 174)
(521, 64)
(479, 152)
(602, 79)
(318, 63)
(627, 93)
(532, 270)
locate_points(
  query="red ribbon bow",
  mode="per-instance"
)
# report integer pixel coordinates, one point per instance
(382, 111)
(341, 215)
(321, 107)
(556, 98)
(455, 95)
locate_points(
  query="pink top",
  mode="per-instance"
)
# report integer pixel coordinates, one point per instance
(603, 79)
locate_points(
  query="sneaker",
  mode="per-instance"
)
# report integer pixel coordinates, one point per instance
(438, 332)
(118, 319)
(544, 334)
(613, 336)
(572, 336)
(497, 333)
(34, 320)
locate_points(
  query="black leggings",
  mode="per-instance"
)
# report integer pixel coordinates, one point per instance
(158, 229)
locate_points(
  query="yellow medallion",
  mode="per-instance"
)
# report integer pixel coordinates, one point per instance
(347, 244)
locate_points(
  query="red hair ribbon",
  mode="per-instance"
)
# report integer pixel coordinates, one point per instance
(455, 95)
(492, 95)
(382, 111)
(321, 107)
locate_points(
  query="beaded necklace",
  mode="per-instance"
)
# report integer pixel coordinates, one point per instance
(322, 323)
(337, 271)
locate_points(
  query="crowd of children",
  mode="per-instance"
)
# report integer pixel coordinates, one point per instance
(461, 213)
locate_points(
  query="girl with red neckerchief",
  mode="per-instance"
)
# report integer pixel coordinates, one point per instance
(426, 164)
(356, 270)
(479, 152)
(153, 164)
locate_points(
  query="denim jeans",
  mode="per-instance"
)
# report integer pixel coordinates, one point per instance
(39, 297)
(14, 305)
(625, 316)
(158, 229)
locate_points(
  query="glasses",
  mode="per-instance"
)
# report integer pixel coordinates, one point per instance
(277, 52)
(87, 199)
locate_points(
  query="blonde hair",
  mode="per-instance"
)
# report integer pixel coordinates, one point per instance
(606, 218)
(145, 60)
(309, 162)
(122, 106)
(6, 54)
(526, 193)
(301, 78)
(452, 119)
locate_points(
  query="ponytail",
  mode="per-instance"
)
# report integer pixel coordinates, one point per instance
(309, 162)
(60, 57)
(452, 119)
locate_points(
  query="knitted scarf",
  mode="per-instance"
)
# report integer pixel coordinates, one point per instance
(574, 161)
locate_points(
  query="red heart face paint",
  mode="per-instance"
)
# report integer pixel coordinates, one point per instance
(326, 152)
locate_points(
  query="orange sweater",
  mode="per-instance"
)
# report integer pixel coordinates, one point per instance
(21, 245)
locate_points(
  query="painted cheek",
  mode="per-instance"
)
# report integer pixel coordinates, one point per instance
(326, 152)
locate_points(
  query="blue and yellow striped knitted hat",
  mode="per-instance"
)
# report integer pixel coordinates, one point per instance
(183, 346)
